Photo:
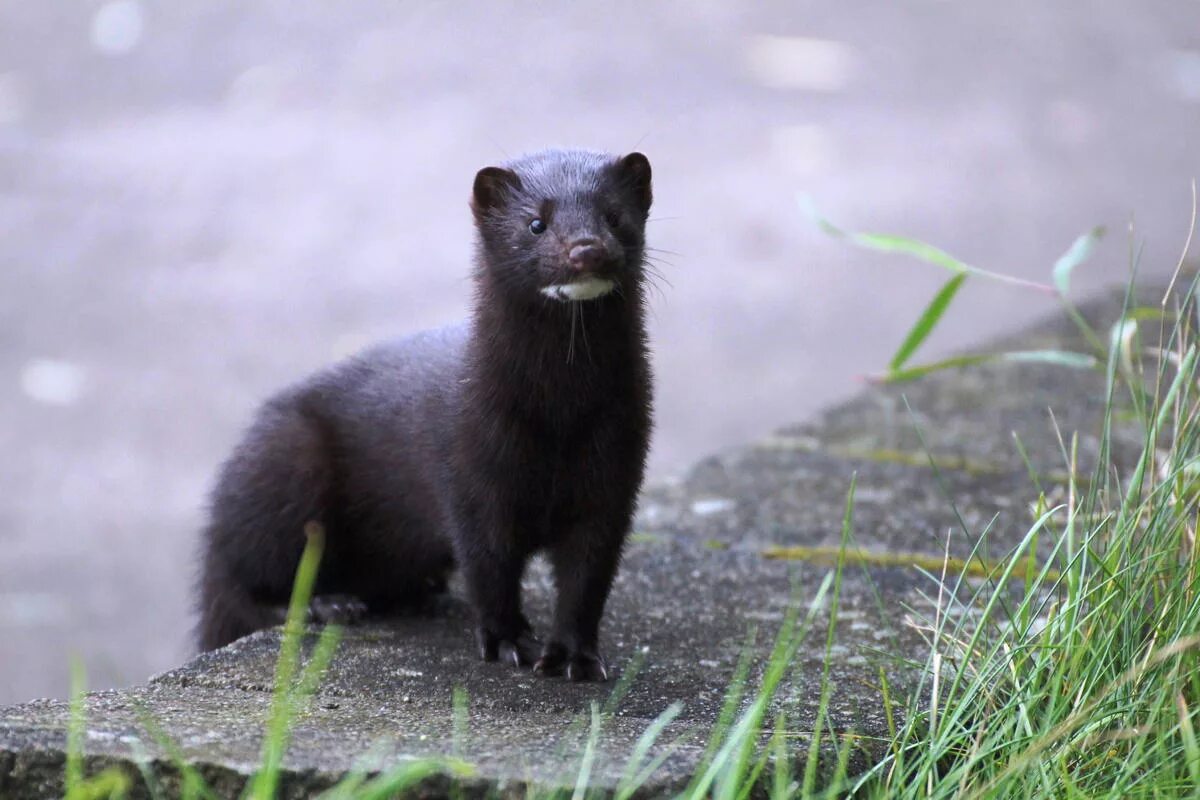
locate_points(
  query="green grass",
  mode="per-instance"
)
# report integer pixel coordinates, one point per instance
(1088, 684)
(1076, 673)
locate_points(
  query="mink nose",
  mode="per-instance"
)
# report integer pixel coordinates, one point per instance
(586, 256)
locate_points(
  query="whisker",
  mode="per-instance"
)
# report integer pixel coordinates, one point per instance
(653, 273)
(662, 296)
(571, 342)
(583, 329)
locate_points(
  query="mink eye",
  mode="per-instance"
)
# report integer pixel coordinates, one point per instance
(613, 218)
(537, 227)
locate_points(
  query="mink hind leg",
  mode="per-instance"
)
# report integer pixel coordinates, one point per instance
(379, 556)
(278, 479)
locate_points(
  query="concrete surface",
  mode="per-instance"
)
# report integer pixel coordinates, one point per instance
(696, 579)
(200, 201)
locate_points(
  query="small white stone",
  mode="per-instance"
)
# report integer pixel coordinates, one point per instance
(409, 673)
(55, 383)
(1183, 67)
(651, 514)
(33, 609)
(117, 27)
(800, 62)
(710, 506)
(781, 442)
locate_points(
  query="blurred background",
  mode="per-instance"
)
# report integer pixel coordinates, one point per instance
(201, 201)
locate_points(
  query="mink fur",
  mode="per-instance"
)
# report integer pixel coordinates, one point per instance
(474, 447)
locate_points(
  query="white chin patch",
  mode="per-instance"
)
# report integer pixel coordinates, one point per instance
(586, 289)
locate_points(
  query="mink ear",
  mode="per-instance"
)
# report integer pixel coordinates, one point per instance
(493, 186)
(634, 171)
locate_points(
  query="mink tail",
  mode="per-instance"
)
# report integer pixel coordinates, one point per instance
(228, 611)
(277, 480)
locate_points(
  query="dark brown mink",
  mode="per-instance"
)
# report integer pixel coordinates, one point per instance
(524, 430)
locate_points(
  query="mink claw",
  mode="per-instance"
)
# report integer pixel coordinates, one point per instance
(520, 652)
(587, 667)
(515, 657)
(575, 666)
(518, 649)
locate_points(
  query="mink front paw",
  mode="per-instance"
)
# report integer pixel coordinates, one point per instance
(580, 665)
(518, 648)
(337, 609)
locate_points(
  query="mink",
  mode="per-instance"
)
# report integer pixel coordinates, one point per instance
(474, 447)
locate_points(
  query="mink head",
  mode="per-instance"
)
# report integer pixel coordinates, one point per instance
(568, 225)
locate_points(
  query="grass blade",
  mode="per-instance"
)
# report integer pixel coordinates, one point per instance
(1061, 358)
(886, 243)
(393, 783)
(1079, 251)
(903, 245)
(921, 370)
(814, 744)
(142, 759)
(635, 774)
(589, 756)
(1191, 748)
(286, 693)
(75, 728)
(927, 321)
(720, 731)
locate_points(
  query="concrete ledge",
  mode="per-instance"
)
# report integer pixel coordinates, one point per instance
(696, 578)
